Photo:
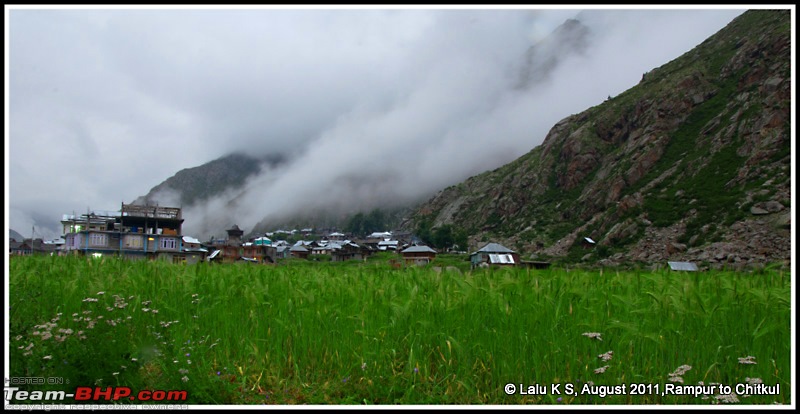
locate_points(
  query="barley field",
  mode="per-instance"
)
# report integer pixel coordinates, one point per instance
(369, 333)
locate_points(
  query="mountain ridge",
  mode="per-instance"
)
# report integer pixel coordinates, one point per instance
(196, 184)
(692, 154)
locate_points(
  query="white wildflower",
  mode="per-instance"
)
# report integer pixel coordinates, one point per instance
(748, 360)
(593, 335)
(727, 398)
(607, 356)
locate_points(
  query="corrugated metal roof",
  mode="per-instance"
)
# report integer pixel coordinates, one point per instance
(589, 239)
(684, 266)
(501, 259)
(495, 248)
(213, 255)
(200, 250)
(378, 234)
(190, 239)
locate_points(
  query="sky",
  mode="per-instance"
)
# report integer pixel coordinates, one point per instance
(370, 105)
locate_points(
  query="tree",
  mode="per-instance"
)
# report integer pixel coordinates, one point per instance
(423, 231)
(355, 225)
(448, 236)
(460, 239)
(362, 224)
(375, 221)
(443, 236)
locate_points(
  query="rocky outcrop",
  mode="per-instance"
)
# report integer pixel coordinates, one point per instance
(691, 164)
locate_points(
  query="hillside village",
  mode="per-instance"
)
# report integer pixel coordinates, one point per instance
(693, 164)
(140, 232)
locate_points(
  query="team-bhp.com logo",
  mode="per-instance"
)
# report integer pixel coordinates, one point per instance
(95, 394)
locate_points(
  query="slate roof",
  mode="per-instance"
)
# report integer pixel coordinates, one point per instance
(494, 248)
(419, 249)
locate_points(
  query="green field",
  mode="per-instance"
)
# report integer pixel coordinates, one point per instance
(367, 333)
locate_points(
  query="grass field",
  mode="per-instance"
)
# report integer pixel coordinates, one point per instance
(365, 333)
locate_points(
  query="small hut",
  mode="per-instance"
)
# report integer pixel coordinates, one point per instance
(494, 254)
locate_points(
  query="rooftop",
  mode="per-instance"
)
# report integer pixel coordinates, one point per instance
(495, 248)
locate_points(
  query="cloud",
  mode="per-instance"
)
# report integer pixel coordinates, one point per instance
(374, 106)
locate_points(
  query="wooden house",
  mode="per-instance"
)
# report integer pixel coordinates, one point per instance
(299, 252)
(419, 255)
(349, 251)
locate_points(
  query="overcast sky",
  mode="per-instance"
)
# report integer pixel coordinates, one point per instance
(104, 104)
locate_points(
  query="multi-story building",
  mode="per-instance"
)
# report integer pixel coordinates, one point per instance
(136, 231)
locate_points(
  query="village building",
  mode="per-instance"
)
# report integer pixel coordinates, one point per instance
(387, 244)
(350, 251)
(282, 252)
(299, 251)
(135, 232)
(233, 249)
(322, 247)
(262, 241)
(336, 236)
(29, 247)
(494, 254)
(419, 255)
(379, 235)
(194, 250)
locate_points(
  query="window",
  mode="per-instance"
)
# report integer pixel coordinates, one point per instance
(133, 241)
(168, 243)
(98, 239)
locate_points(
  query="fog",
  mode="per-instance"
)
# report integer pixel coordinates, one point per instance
(372, 107)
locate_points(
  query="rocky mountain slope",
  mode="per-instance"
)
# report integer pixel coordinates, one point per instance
(194, 185)
(693, 163)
